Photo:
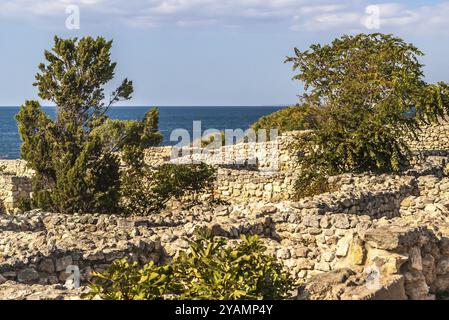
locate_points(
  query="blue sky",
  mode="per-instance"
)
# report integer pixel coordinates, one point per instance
(208, 52)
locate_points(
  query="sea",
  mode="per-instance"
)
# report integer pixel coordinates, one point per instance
(170, 118)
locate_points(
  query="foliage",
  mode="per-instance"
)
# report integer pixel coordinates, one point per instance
(372, 96)
(23, 204)
(184, 180)
(90, 183)
(74, 79)
(213, 270)
(74, 170)
(210, 269)
(151, 136)
(147, 190)
(299, 117)
(126, 281)
(115, 134)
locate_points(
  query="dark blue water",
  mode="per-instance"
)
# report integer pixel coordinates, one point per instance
(171, 118)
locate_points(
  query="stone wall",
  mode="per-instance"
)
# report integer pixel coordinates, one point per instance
(433, 139)
(15, 167)
(38, 248)
(271, 156)
(12, 190)
(239, 186)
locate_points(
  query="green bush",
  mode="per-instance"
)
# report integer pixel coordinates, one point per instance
(210, 269)
(372, 96)
(126, 281)
(146, 190)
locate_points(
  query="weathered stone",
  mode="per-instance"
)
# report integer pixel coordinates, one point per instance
(442, 266)
(324, 286)
(322, 266)
(416, 287)
(301, 252)
(47, 266)
(391, 237)
(283, 253)
(415, 259)
(357, 252)
(342, 222)
(27, 275)
(305, 264)
(343, 246)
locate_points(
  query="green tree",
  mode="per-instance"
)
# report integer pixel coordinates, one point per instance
(372, 96)
(74, 170)
(299, 117)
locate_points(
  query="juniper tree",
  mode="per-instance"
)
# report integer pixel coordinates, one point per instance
(74, 171)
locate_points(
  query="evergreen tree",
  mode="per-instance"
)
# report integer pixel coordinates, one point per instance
(74, 170)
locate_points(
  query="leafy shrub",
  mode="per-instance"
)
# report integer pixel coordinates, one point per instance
(126, 281)
(146, 190)
(210, 269)
(372, 96)
(213, 270)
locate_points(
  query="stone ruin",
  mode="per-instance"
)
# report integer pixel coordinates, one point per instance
(374, 237)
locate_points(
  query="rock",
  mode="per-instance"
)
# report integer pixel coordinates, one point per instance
(47, 266)
(27, 275)
(283, 254)
(2, 279)
(328, 256)
(416, 287)
(324, 286)
(357, 252)
(415, 259)
(390, 288)
(343, 246)
(301, 252)
(390, 237)
(325, 223)
(268, 210)
(407, 202)
(322, 266)
(311, 221)
(305, 264)
(342, 222)
(442, 266)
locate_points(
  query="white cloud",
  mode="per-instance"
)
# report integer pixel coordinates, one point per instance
(309, 15)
